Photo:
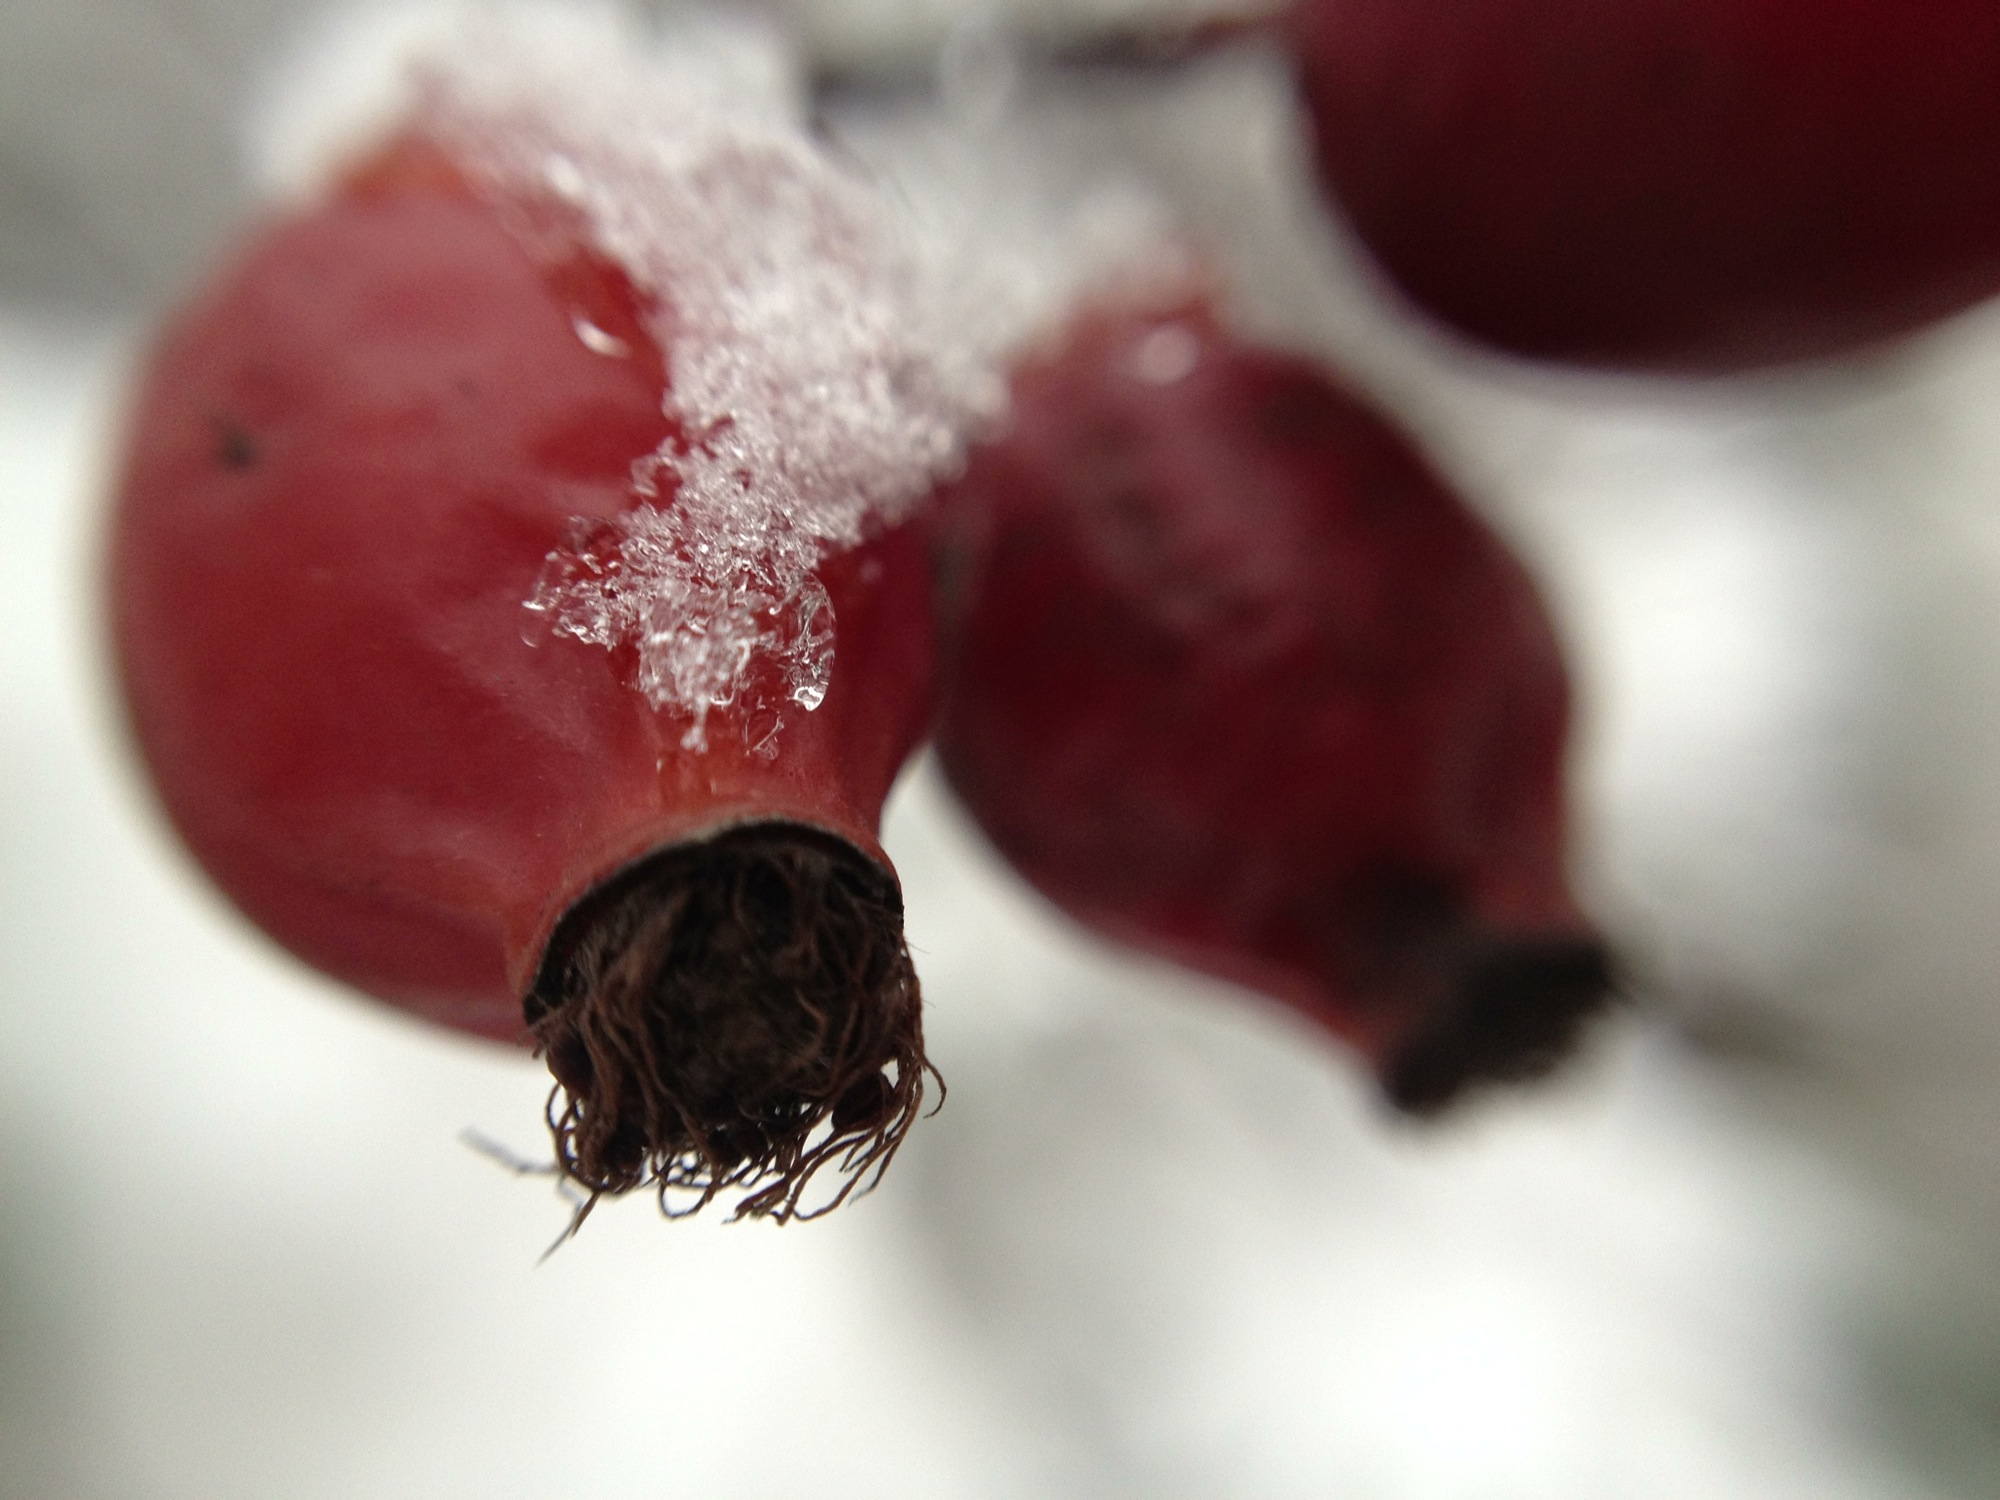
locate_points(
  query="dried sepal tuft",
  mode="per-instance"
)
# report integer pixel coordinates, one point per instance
(733, 1017)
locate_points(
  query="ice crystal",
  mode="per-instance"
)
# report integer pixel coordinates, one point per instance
(816, 381)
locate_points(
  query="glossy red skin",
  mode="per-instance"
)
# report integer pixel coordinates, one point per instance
(1237, 680)
(1678, 185)
(348, 461)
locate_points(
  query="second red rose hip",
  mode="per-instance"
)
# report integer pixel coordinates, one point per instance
(1235, 678)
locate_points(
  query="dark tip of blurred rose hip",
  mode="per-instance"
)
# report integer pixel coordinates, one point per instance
(733, 1016)
(1513, 1013)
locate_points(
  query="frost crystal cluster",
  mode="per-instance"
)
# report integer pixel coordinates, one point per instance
(812, 366)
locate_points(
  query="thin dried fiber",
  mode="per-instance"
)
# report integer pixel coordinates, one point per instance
(732, 1017)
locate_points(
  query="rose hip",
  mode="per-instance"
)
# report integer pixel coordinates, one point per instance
(1690, 185)
(351, 463)
(1236, 679)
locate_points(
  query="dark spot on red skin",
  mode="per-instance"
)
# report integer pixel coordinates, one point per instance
(1297, 412)
(233, 444)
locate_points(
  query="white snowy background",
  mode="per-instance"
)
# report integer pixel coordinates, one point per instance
(1160, 1242)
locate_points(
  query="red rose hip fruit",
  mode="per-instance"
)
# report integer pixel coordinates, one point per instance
(398, 418)
(1679, 185)
(1235, 678)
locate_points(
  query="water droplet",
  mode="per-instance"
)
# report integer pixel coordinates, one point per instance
(534, 623)
(1167, 354)
(597, 341)
(564, 177)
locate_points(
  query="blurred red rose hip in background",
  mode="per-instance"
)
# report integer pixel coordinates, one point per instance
(1680, 185)
(1235, 678)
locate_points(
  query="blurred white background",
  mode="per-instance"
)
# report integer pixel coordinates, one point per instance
(1160, 1242)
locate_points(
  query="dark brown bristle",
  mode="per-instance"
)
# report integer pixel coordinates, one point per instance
(731, 1017)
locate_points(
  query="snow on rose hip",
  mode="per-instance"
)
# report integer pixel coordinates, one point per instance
(1690, 185)
(506, 609)
(1234, 677)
